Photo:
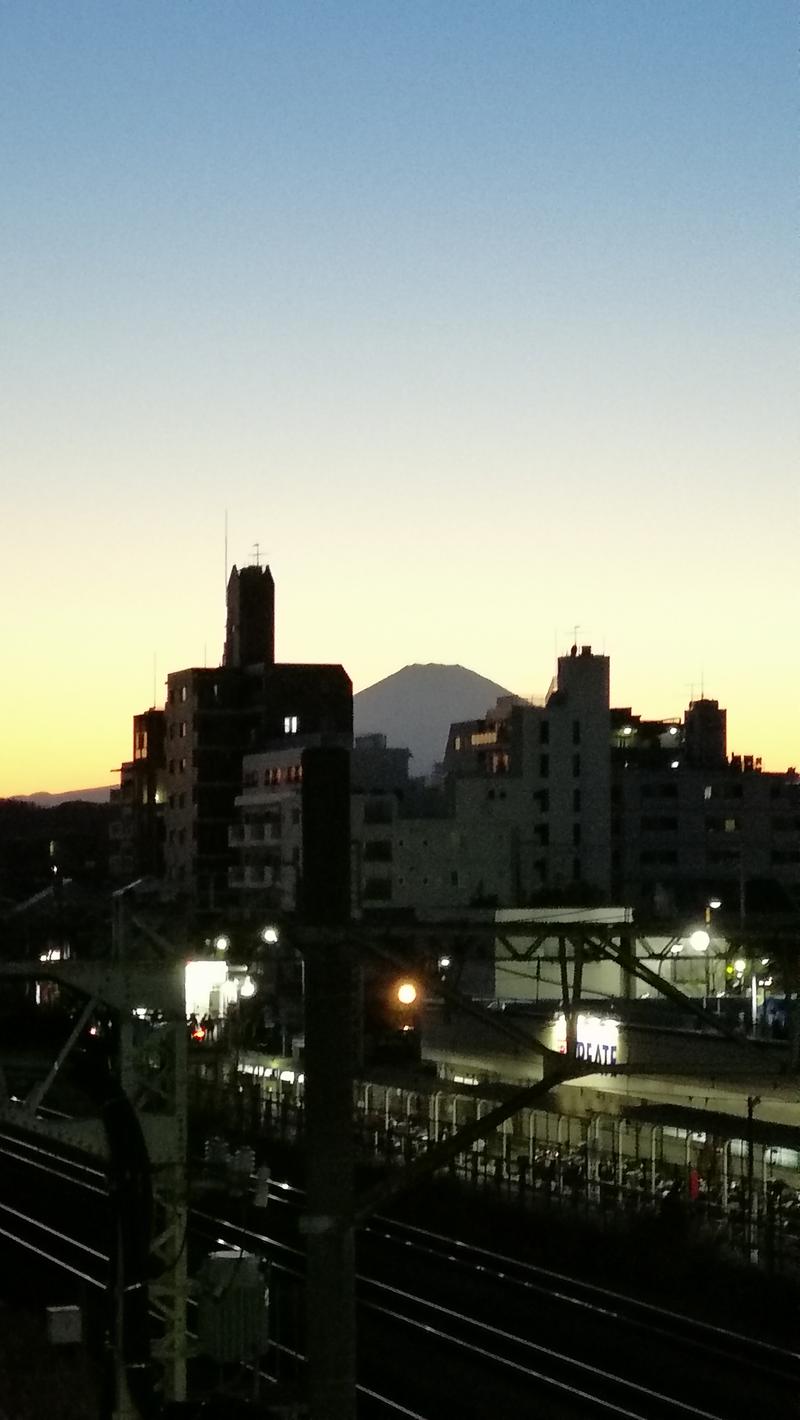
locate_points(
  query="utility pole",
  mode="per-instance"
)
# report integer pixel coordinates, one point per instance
(752, 1102)
(330, 997)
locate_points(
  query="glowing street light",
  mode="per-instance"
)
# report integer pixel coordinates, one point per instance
(700, 940)
(221, 943)
(269, 935)
(406, 993)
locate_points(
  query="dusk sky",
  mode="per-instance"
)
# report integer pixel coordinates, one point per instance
(480, 318)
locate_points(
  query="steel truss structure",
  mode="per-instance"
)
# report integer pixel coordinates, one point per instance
(150, 1067)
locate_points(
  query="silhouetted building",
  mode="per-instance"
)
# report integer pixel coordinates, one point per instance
(570, 801)
(705, 734)
(250, 626)
(137, 806)
(214, 716)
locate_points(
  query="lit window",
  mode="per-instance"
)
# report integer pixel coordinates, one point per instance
(290, 724)
(184, 693)
(707, 792)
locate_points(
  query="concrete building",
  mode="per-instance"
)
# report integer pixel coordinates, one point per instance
(688, 822)
(538, 778)
(213, 717)
(267, 834)
(137, 823)
(571, 800)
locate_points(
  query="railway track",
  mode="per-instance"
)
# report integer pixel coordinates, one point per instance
(501, 1326)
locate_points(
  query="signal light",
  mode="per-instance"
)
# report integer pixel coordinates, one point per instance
(199, 1033)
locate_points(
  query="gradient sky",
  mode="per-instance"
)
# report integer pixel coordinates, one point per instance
(481, 318)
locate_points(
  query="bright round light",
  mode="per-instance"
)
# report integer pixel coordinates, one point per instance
(407, 993)
(444, 962)
(270, 935)
(248, 987)
(699, 940)
(714, 903)
(739, 965)
(222, 943)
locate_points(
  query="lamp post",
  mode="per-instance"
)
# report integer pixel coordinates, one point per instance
(713, 905)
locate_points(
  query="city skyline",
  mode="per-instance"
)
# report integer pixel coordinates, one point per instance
(480, 320)
(672, 713)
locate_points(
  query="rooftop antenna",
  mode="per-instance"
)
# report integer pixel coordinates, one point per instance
(257, 553)
(703, 684)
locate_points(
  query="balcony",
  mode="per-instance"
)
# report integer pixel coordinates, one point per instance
(251, 877)
(251, 835)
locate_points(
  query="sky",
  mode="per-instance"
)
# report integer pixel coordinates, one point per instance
(480, 319)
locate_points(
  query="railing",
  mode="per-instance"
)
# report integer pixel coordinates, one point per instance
(605, 1165)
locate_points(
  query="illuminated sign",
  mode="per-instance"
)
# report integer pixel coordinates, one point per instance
(597, 1039)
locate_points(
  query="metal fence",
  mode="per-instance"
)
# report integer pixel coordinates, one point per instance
(747, 1196)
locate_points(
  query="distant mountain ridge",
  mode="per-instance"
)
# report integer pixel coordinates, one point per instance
(416, 706)
(48, 801)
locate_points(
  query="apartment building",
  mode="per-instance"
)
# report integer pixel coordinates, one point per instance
(212, 718)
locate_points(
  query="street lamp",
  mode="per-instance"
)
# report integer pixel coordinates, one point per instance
(406, 993)
(221, 943)
(269, 935)
(713, 905)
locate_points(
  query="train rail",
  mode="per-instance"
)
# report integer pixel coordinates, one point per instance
(391, 1295)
